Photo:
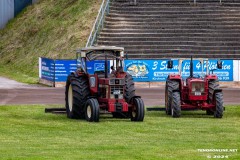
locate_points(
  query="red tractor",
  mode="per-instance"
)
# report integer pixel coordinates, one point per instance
(193, 93)
(86, 94)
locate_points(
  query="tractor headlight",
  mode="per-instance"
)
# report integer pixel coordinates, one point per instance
(92, 81)
(120, 96)
(112, 96)
(198, 88)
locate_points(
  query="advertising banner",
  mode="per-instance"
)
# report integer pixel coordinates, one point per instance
(58, 70)
(47, 69)
(97, 65)
(64, 67)
(156, 70)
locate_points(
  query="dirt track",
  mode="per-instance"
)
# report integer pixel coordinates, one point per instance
(153, 96)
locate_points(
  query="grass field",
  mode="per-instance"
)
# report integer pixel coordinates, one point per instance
(26, 132)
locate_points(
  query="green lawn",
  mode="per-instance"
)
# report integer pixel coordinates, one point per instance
(26, 132)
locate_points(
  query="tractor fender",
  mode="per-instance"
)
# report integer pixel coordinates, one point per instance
(174, 77)
(211, 77)
(77, 74)
(217, 90)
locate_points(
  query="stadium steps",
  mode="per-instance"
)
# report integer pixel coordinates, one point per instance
(174, 28)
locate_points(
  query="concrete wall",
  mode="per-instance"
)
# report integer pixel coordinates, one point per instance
(34, 1)
(236, 70)
(10, 8)
(6, 12)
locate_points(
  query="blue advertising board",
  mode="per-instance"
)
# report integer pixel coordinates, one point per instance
(64, 67)
(47, 69)
(58, 70)
(141, 70)
(97, 65)
(156, 70)
(224, 74)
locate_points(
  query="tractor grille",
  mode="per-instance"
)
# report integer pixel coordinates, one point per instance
(116, 90)
(117, 81)
(198, 88)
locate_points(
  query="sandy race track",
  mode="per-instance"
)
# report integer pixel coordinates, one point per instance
(12, 92)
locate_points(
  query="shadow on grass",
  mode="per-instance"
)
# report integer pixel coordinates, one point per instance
(184, 114)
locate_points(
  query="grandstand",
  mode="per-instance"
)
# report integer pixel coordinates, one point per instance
(174, 28)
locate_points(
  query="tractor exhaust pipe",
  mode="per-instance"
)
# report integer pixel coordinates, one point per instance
(106, 66)
(191, 68)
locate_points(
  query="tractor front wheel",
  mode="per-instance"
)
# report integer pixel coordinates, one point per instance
(92, 110)
(176, 105)
(137, 112)
(219, 105)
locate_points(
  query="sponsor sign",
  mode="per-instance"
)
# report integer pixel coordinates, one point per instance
(58, 70)
(156, 70)
(47, 69)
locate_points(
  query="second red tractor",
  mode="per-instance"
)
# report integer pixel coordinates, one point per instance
(193, 92)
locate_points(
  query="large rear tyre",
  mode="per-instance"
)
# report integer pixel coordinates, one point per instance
(129, 92)
(176, 105)
(138, 111)
(92, 110)
(212, 85)
(219, 105)
(167, 99)
(170, 86)
(76, 93)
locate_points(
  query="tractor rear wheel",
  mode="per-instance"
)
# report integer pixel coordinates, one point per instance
(129, 88)
(167, 99)
(219, 105)
(170, 86)
(137, 112)
(77, 91)
(176, 105)
(92, 110)
(212, 85)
